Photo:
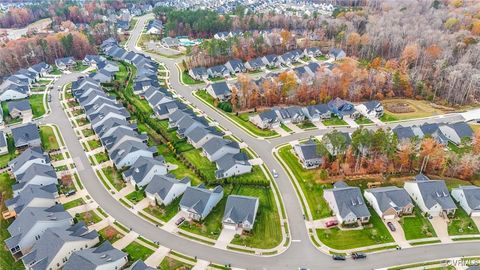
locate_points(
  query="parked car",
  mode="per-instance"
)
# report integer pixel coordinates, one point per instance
(358, 255)
(331, 223)
(180, 221)
(391, 226)
(70, 193)
(275, 174)
(337, 257)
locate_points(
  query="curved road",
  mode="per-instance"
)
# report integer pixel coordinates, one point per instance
(301, 252)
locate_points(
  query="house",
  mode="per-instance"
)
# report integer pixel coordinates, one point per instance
(27, 75)
(218, 147)
(336, 148)
(28, 227)
(140, 265)
(431, 196)
(35, 174)
(265, 120)
(129, 151)
(55, 246)
(65, 63)
(271, 61)
(198, 73)
(9, 91)
(105, 256)
(290, 114)
(307, 153)
(318, 112)
(20, 108)
(230, 165)
(254, 64)
(26, 135)
(342, 108)
(312, 52)
(33, 196)
(122, 25)
(102, 76)
(3, 143)
(109, 66)
(371, 109)
(219, 71)
(312, 68)
(28, 157)
(457, 132)
(337, 53)
(219, 90)
(155, 27)
(41, 69)
(144, 169)
(240, 212)
(469, 199)
(389, 202)
(93, 60)
(288, 58)
(347, 203)
(163, 189)
(170, 42)
(197, 137)
(407, 133)
(221, 35)
(198, 202)
(235, 66)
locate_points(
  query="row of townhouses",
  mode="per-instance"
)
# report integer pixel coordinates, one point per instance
(17, 86)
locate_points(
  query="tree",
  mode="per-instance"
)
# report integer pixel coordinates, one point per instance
(476, 142)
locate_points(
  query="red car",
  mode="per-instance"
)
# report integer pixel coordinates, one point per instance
(331, 223)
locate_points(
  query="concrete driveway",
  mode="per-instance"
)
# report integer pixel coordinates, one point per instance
(225, 237)
(398, 235)
(476, 220)
(440, 226)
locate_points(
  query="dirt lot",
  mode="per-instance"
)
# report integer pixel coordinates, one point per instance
(406, 109)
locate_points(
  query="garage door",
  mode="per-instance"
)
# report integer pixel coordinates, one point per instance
(389, 216)
(229, 226)
(476, 214)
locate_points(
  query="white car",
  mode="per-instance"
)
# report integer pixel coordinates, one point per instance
(275, 174)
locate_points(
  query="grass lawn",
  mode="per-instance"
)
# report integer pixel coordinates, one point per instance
(7, 261)
(417, 226)
(12, 152)
(307, 179)
(78, 112)
(56, 157)
(74, 203)
(137, 252)
(217, 79)
(202, 163)
(373, 233)
(388, 118)
(267, 231)
(462, 224)
(49, 141)
(362, 120)
(114, 177)
(136, 196)
(88, 132)
(241, 119)
(162, 212)
(101, 157)
(89, 217)
(284, 127)
(79, 67)
(211, 226)
(110, 233)
(94, 144)
(36, 102)
(186, 79)
(306, 125)
(322, 58)
(169, 263)
(334, 121)
(461, 150)
(82, 121)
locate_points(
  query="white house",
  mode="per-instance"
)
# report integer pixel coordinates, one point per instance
(240, 212)
(218, 147)
(163, 189)
(469, 199)
(3, 143)
(389, 202)
(103, 257)
(371, 109)
(198, 202)
(265, 120)
(232, 165)
(347, 203)
(144, 169)
(26, 158)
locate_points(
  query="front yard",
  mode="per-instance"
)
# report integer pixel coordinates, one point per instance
(169, 263)
(162, 212)
(462, 224)
(36, 102)
(89, 217)
(136, 196)
(110, 233)
(137, 251)
(334, 121)
(114, 178)
(417, 226)
(74, 203)
(47, 136)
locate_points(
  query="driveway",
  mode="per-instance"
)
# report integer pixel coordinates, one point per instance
(225, 237)
(440, 226)
(476, 220)
(351, 122)
(398, 235)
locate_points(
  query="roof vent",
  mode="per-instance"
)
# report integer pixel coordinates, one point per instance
(103, 256)
(438, 194)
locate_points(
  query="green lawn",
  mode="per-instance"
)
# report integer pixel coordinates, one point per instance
(88, 132)
(36, 102)
(56, 71)
(417, 226)
(169, 263)
(267, 231)
(79, 67)
(89, 217)
(114, 177)
(110, 233)
(186, 79)
(137, 252)
(74, 203)
(307, 179)
(284, 127)
(211, 226)
(461, 224)
(94, 144)
(334, 121)
(49, 141)
(162, 212)
(12, 152)
(388, 118)
(306, 125)
(362, 120)
(322, 57)
(101, 157)
(7, 261)
(136, 196)
(373, 233)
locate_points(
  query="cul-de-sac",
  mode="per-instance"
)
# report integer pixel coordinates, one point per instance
(235, 134)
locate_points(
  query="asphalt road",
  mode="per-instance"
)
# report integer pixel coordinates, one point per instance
(301, 252)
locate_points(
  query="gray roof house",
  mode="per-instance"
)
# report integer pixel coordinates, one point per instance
(35, 174)
(170, 42)
(3, 142)
(469, 199)
(109, 66)
(33, 196)
(26, 135)
(198, 73)
(218, 147)
(10, 91)
(102, 76)
(31, 155)
(372, 108)
(65, 62)
(56, 246)
(93, 60)
(347, 203)
(219, 90)
(389, 202)
(163, 189)
(254, 64)
(19, 108)
(129, 151)
(197, 137)
(307, 153)
(218, 71)
(232, 165)
(315, 113)
(342, 108)
(235, 66)
(144, 169)
(140, 265)
(291, 114)
(240, 212)
(337, 53)
(104, 256)
(431, 196)
(198, 202)
(271, 61)
(266, 119)
(312, 51)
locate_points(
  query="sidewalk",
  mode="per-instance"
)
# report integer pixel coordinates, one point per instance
(126, 240)
(157, 257)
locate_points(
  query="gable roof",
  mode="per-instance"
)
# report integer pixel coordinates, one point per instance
(23, 135)
(21, 105)
(140, 265)
(390, 197)
(142, 166)
(36, 169)
(29, 154)
(220, 88)
(197, 198)
(90, 259)
(240, 209)
(472, 196)
(162, 184)
(30, 193)
(307, 150)
(349, 200)
(228, 161)
(215, 144)
(433, 192)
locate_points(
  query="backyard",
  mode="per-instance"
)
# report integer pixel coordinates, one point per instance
(12, 152)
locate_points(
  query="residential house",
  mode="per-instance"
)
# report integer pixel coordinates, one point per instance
(431, 196)
(221, 35)
(20, 108)
(333, 148)
(342, 108)
(170, 42)
(33, 196)
(198, 73)
(240, 212)
(65, 63)
(219, 71)
(235, 66)
(56, 246)
(318, 112)
(312, 52)
(469, 199)
(109, 66)
(144, 169)
(288, 58)
(197, 137)
(290, 114)
(219, 90)
(140, 265)
(10, 91)
(41, 69)
(254, 64)
(308, 154)
(265, 120)
(272, 61)
(93, 60)
(35, 174)
(337, 53)
(3, 143)
(198, 202)
(28, 157)
(216, 148)
(371, 109)
(163, 189)
(230, 165)
(155, 27)
(105, 256)
(26, 135)
(389, 202)
(347, 203)
(129, 151)
(102, 76)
